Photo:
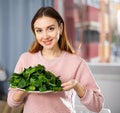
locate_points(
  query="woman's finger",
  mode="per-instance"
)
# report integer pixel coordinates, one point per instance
(69, 85)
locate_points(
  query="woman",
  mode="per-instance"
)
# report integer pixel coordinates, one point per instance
(52, 49)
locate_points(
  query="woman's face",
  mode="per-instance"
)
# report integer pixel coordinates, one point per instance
(47, 32)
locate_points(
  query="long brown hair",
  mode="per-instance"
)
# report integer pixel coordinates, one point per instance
(63, 42)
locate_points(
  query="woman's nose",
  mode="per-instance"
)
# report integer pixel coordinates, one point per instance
(45, 35)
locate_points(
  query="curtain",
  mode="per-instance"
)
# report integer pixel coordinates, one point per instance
(15, 29)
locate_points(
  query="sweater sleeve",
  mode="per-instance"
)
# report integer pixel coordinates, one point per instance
(93, 98)
(10, 100)
(19, 66)
(12, 91)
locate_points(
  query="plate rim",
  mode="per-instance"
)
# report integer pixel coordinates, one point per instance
(43, 92)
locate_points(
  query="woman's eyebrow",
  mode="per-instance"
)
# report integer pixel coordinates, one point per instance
(37, 28)
(51, 25)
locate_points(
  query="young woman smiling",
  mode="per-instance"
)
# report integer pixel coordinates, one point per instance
(52, 49)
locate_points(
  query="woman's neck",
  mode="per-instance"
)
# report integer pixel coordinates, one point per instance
(51, 53)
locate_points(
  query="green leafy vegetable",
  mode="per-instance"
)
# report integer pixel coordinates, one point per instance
(36, 79)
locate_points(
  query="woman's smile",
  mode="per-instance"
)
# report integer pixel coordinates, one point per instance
(48, 42)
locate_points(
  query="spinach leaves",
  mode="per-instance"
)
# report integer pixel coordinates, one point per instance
(36, 79)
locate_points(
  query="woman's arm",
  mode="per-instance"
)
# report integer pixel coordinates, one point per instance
(86, 87)
(16, 97)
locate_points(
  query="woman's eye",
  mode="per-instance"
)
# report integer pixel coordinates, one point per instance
(51, 29)
(38, 30)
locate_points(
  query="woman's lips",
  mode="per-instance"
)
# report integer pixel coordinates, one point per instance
(47, 42)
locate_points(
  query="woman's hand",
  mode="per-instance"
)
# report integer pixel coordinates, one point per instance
(19, 96)
(69, 85)
(74, 84)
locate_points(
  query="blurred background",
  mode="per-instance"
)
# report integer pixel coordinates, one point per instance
(93, 28)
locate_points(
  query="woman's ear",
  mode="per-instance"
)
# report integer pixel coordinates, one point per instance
(61, 28)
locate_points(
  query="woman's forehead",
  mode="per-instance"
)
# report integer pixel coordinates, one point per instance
(45, 21)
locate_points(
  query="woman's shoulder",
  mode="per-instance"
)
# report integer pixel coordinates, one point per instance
(28, 54)
(73, 57)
